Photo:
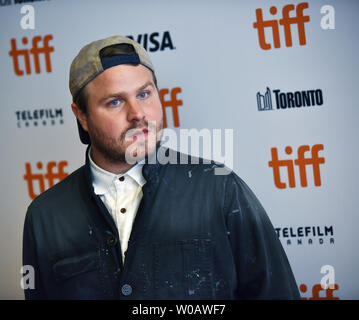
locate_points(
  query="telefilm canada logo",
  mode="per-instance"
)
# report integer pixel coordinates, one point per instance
(39, 117)
(306, 235)
(289, 100)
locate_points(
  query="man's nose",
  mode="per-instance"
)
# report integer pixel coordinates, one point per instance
(135, 111)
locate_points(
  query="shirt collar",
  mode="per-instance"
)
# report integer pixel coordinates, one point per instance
(102, 179)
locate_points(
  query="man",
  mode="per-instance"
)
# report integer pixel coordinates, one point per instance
(114, 229)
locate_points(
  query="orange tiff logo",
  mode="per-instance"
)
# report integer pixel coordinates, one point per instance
(50, 176)
(302, 162)
(320, 293)
(172, 102)
(297, 19)
(35, 51)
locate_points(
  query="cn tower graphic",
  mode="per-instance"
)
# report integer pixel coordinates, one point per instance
(264, 101)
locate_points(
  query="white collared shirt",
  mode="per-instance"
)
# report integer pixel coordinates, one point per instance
(121, 194)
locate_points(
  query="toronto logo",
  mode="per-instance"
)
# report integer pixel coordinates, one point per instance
(289, 100)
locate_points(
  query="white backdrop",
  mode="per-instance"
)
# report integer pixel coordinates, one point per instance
(211, 51)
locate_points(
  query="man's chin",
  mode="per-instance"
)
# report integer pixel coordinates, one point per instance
(138, 152)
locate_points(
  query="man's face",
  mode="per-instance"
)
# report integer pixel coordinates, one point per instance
(121, 102)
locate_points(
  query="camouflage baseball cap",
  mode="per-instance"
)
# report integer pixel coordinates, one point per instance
(100, 55)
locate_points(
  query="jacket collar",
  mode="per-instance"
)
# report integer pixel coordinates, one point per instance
(150, 169)
(102, 179)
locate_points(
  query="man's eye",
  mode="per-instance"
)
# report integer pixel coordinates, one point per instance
(115, 102)
(143, 95)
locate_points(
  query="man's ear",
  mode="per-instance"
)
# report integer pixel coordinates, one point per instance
(80, 115)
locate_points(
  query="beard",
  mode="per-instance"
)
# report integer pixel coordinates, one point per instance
(113, 149)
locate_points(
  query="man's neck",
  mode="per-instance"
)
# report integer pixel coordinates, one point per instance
(104, 163)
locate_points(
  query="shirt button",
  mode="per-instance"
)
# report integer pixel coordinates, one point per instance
(111, 241)
(121, 178)
(126, 289)
(123, 210)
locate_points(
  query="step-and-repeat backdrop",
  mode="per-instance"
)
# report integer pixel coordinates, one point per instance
(283, 75)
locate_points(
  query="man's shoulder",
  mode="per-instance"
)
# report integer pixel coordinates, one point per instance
(189, 164)
(62, 192)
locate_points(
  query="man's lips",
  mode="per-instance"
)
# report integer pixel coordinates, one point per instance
(143, 132)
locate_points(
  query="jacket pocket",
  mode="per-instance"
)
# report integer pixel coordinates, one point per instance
(79, 277)
(184, 270)
(67, 268)
(197, 267)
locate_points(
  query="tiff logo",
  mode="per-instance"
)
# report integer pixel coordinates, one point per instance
(50, 176)
(35, 51)
(299, 19)
(327, 286)
(173, 102)
(302, 162)
(316, 292)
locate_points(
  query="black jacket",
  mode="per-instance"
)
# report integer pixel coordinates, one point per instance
(196, 235)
